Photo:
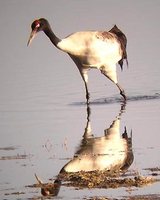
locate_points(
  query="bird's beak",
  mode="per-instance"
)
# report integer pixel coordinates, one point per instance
(32, 36)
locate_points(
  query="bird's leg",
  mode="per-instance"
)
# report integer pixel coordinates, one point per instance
(87, 93)
(83, 71)
(85, 79)
(113, 77)
(121, 91)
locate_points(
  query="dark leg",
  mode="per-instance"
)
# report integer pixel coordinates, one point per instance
(113, 78)
(87, 93)
(121, 92)
(84, 74)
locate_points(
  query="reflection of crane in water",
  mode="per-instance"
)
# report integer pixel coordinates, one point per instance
(111, 152)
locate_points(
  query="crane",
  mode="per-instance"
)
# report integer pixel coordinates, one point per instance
(89, 49)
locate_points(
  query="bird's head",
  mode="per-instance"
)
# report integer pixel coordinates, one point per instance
(37, 26)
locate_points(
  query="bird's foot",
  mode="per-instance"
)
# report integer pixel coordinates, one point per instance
(87, 97)
(122, 93)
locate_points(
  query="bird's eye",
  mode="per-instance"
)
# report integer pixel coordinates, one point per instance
(37, 24)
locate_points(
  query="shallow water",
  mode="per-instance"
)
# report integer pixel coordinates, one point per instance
(43, 114)
(41, 139)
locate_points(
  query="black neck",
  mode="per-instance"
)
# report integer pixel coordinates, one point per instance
(54, 39)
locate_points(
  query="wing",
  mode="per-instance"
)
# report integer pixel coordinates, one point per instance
(123, 41)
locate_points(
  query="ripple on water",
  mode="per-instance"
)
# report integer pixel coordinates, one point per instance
(130, 98)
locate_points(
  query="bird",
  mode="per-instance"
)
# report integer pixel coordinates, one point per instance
(102, 50)
(49, 189)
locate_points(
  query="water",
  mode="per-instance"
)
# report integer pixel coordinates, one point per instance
(43, 114)
(40, 136)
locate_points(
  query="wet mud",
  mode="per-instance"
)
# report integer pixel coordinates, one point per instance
(98, 179)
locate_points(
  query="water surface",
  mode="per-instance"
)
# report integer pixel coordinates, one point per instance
(43, 114)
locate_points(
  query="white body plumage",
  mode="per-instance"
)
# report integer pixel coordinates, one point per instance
(94, 49)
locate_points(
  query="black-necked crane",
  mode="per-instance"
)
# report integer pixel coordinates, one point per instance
(89, 49)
